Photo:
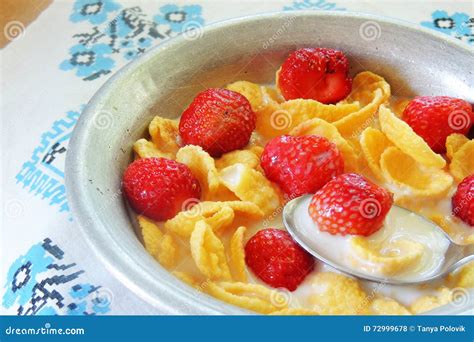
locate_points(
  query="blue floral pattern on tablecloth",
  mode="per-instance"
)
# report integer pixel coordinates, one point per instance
(94, 11)
(178, 17)
(313, 5)
(121, 34)
(42, 282)
(457, 25)
(89, 60)
(43, 173)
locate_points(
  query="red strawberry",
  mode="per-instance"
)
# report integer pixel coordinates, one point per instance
(435, 117)
(157, 187)
(218, 120)
(463, 201)
(302, 164)
(319, 74)
(277, 259)
(350, 204)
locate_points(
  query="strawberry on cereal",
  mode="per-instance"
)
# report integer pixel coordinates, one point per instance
(434, 118)
(277, 259)
(463, 201)
(158, 187)
(301, 165)
(350, 204)
(218, 120)
(315, 73)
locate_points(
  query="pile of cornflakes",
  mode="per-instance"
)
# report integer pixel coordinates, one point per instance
(203, 245)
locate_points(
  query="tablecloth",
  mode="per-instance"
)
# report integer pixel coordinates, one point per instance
(49, 71)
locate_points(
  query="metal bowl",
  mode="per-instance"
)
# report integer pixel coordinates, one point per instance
(164, 81)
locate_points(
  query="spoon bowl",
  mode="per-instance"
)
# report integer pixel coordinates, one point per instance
(322, 245)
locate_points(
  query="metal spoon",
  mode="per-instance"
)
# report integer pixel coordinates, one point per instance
(456, 255)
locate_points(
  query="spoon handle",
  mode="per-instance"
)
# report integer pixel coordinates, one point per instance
(468, 256)
(470, 250)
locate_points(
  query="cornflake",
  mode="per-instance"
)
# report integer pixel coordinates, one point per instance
(164, 134)
(248, 296)
(429, 302)
(373, 143)
(369, 253)
(202, 167)
(462, 162)
(251, 186)
(403, 136)
(237, 255)
(371, 90)
(330, 132)
(208, 252)
(146, 149)
(407, 177)
(336, 294)
(161, 246)
(388, 306)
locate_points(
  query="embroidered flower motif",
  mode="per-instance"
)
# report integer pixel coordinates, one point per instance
(122, 26)
(144, 42)
(22, 274)
(111, 41)
(89, 62)
(129, 50)
(177, 17)
(124, 44)
(94, 11)
(44, 282)
(459, 25)
(313, 5)
(132, 49)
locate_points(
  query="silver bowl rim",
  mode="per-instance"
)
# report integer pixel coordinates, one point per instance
(109, 254)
